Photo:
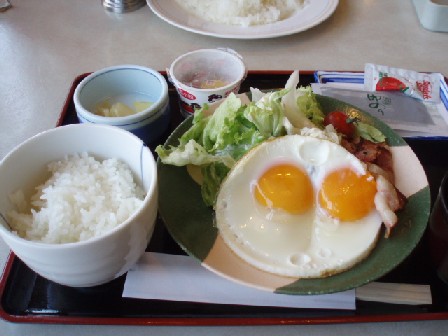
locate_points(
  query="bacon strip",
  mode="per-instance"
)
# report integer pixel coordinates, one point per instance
(370, 152)
(378, 158)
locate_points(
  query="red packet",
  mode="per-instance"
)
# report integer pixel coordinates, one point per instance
(423, 86)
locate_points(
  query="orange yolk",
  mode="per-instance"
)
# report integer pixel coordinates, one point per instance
(285, 187)
(346, 195)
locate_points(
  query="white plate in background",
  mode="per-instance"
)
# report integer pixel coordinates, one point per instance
(313, 14)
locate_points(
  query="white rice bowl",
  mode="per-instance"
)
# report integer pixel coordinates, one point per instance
(111, 234)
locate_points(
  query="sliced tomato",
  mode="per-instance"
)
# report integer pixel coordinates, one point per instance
(341, 122)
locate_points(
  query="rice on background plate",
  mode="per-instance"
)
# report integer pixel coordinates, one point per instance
(84, 198)
(243, 12)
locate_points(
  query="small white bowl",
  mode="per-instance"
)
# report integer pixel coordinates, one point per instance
(99, 259)
(126, 84)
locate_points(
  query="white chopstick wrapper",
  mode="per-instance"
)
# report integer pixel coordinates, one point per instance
(180, 278)
(395, 293)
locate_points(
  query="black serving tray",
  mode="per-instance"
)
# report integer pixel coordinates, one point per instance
(26, 297)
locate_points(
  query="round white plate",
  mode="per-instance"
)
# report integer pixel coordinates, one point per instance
(313, 14)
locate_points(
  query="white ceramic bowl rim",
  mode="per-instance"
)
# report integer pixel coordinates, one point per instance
(236, 56)
(126, 120)
(149, 194)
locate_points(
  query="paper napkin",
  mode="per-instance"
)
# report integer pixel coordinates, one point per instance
(167, 277)
(181, 278)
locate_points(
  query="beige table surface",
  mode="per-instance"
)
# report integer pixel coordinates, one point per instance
(45, 44)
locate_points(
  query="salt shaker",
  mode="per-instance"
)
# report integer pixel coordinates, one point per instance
(122, 6)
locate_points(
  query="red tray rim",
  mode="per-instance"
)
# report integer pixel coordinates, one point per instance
(198, 321)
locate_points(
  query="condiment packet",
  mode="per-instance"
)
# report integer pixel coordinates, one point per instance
(423, 86)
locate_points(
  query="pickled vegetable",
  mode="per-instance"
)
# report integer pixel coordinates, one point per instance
(119, 109)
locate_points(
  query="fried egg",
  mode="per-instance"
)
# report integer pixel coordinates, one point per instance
(299, 206)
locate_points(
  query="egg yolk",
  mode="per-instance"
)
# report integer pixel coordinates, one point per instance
(285, 187)
(347, 196)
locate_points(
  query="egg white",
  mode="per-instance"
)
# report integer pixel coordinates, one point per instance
(308, 245)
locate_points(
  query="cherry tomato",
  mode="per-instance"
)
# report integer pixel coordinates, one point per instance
(341, 123)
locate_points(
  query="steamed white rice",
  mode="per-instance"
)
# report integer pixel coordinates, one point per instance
(243, 12)
(83, 198)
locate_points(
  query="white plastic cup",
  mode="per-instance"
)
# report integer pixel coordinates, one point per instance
(193, 73)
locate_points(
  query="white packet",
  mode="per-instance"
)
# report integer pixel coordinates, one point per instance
(420, 85)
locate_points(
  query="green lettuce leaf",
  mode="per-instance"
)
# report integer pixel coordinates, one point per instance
(300, 105)
(213, 175)
(369, 132)
(308, 105)
(191, 153)
(267, 114)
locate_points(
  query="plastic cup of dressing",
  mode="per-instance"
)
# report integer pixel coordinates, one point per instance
(204, 76)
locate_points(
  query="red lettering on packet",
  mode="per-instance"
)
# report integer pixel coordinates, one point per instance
(186, 94)
(425, 88)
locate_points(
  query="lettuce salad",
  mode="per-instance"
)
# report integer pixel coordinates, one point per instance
(215, 142)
